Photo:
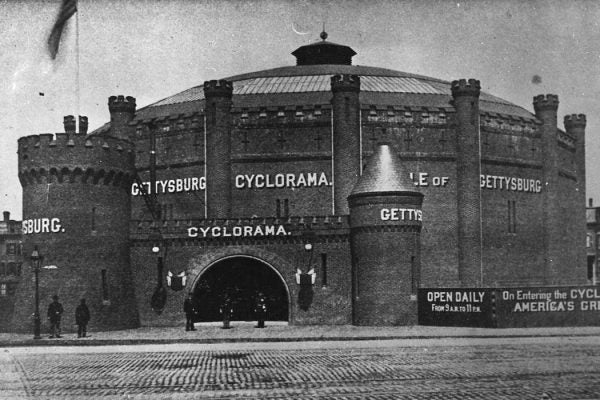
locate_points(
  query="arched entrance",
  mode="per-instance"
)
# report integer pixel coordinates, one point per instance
(242, 278)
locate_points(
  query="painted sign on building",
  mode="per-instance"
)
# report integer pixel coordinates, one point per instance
(510, 307)
(456, 307)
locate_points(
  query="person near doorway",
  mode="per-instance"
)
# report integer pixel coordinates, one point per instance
(226, 311)
(55, 310)
(82, 317)
(260, 310)
(189, 308)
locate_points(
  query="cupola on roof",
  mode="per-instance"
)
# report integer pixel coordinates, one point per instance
(323, 52)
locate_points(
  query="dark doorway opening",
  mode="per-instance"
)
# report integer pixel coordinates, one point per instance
(242, 279)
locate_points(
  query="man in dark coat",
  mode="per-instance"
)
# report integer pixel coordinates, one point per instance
(189, 308)
(261, 310)
(55, 310)
(82, 317)
(226, 311)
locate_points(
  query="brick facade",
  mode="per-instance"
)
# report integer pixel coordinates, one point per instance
(502, 193)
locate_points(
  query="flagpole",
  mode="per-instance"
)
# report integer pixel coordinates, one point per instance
(77, 57)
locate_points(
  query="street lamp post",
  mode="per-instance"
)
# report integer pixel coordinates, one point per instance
(159, 297)
(36, 261)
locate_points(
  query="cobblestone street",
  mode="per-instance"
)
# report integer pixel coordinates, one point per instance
(492, 368)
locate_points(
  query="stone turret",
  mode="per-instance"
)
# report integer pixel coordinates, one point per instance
(76, 210)
(122, 112)
(385, 229)
(468, 170)
(546, 107)
(218, 96)
(575, 126)
(346, 138)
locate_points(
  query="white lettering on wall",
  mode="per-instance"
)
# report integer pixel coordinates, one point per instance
(510, 183)
(401, 214)
(178, 185)
(289, 180)
(237, 231)
(42, 225)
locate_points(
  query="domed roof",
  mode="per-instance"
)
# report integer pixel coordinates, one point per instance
(310, 84)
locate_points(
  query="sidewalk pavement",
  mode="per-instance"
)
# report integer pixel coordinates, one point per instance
(281, 332)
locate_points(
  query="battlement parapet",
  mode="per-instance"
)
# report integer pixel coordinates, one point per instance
(545, 102)
(463, 87)
(48, 151)
(345, 83)
(218, 88)
(121, 104)
(574, 121)
(508, 124)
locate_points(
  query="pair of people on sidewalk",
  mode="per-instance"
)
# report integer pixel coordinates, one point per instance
(55, 312)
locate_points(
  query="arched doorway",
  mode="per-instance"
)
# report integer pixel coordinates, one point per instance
(242, 278)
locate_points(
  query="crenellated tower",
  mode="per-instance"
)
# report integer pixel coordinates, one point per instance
(546, 108)
(76, 210)
(122, 112)
(217, 164)
(468, 170)
(346, 138)
(575, 126)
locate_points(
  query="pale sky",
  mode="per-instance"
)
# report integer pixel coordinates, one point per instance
(153, 49)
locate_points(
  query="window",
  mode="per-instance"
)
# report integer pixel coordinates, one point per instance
(598, 241)
(286, 208)
(589, 241)
(104, 286)
(3, 290)
(11, 249)
(2, 269)
(512, 216)
(282, 208)
(323, 269)
(414, 276)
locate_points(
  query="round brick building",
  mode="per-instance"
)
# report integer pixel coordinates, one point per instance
(334, 190)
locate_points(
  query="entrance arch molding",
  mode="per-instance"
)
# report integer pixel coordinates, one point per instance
(200, 264)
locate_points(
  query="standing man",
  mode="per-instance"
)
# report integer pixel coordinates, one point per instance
(226, 311)
(189, 308)
(82, 317)
(261, 310)
(55, 310)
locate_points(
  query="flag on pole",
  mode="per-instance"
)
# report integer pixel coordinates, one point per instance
(67, 9)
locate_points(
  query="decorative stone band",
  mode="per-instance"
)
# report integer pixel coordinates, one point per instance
(386, 228)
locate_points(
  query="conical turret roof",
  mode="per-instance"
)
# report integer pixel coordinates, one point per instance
(384, 174)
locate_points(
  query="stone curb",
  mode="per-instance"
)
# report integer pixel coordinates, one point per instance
(129, 342)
